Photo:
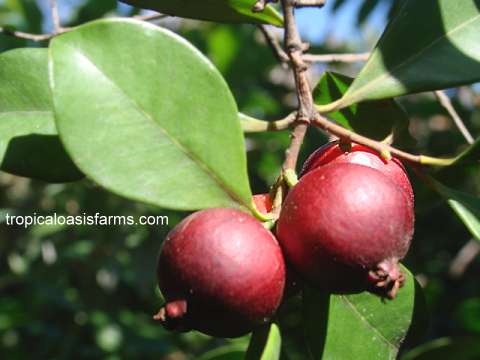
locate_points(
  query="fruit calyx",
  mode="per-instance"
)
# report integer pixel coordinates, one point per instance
(172, 315)
(387, 278)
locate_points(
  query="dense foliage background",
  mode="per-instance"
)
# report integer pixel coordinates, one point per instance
(90, 292)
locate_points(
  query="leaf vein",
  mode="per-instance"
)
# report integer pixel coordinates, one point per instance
(369, 325)
(202, 165)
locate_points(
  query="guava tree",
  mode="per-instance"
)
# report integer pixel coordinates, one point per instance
(139, 111)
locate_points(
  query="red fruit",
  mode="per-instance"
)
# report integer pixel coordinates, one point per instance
(332, 153)
(263, 203)
(221, 272)
(344, 227)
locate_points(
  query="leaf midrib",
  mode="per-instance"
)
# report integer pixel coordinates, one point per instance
(203, 166)
(26, 113)
(372, 83)
(369, 325)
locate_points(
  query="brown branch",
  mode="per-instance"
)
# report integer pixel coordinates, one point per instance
(382, 148)
(57, 27)
(274, 44)
(62, 30)
(291, 154)
(26, 36)
(325, 58)
(308, 3)
(447, 104)
(306, 109)
(150, 17)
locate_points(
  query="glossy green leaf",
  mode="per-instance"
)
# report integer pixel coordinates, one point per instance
(236, 11)
(229, 352)
(466, 206)
(265, 344)
(375, 119)
(467, 348)
(362, 326)
(145, 115)
(29, 145)
(444, 53)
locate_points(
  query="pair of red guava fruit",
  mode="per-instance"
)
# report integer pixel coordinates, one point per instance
(343, 228)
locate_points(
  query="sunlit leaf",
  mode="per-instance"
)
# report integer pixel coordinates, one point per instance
(145, 115)
(416, 55)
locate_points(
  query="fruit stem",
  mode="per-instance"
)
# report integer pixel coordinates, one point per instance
(387, 278)
(172, 314)
(290, 177)
(260, 215)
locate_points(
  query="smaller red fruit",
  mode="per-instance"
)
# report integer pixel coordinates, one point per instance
(221, 272)
(333, 153)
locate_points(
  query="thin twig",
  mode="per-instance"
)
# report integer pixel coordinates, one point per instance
(274, 44)
(447, 104)
(150, 17)
(250, 124)
(383, 148)
(57, 27)
(306, 109)
(62, 30)
(326, 58)
(464, 258)
(26, 36)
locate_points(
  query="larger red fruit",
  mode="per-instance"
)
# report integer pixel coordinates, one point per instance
(345, 227)
(221, 272)
(333, 153)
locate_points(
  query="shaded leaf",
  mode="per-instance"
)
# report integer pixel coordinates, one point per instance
(236, 11)
(375, 119)
(467, 348)
(29, 145)
(229, 352)
(469, 155)
(145, 115)
(445, 52)
(265, 344)
(466, 206)
(362, 326)
(366, 9)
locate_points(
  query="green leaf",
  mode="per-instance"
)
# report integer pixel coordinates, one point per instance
(444, 53)
(229, 352)
(235, 11)
(265, 344)
(466, 206)
(145, 115)
(467, 348)
(29, 145)
(375, 119)
(362, 326)
(366, 9)
(469, 155)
